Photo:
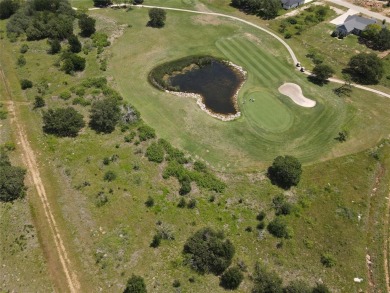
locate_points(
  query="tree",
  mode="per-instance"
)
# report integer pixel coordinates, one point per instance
(39, 102)
(208, 251)
(321, 288)
(62, 122)
(135, 284)
(104, 115)
(87, 25)
(55, 46)
(102, 3)
(72, 62)
(278, 227)
(232, 278)
(371, 32)
(382, 41)
(26, 84)
(297, 286)
(74, 44)
(8, 8)
(11, 180)
(157, 17)
(136, 2)
(322, 72)
(365, 68)
(265, 281)
(270, 8)
(285, 171)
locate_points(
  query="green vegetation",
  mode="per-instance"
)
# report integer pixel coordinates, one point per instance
(62, 121)
(322, 72)
(86, 25)
(285, 171)
(105, 115)
(26, 84)
(155, 153)
(278, 227)
(135, 284)
(7, 8)
(157, 17)
(266, 281)
(11, 180)
(267, 9)
(231, 278)
(208, 251)
(365, 68)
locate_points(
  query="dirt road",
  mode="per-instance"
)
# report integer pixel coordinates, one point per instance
(33, 172)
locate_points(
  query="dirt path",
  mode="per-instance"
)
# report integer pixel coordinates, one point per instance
(34, 174)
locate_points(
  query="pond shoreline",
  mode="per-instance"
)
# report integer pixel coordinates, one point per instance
(199, 98)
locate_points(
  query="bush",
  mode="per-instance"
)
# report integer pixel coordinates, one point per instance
(39, 102)
(182, 203)
(62, 122)
(146, 132)
(285, 171)
(328, 260)
(321, 288)
(261, 216)
(109, 176)
(261, 225)
(72, 62)
(192, 203)
(149, 202)
(11, 180)
(74, 44)
(101, 199)
(155, 153)
(86, 25)
(65, 95)
(278, 228)
(8, 8)
(21, 61)
(232, 278)
(208, 251)
(265, 281)
(100, 40)
(105, 115)
(55, 46)
(23, 49)
(156, 241)
(176, 284)
(26, 84)
(297, 286)
(185, 187)
(200, 167)
(281, 206)
(135, 284)
(130, 137)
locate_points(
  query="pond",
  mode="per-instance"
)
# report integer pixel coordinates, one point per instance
(216, 82)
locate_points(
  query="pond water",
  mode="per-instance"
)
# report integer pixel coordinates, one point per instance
(216, 82)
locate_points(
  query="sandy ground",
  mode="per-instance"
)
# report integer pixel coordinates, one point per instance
(340, 19)
(294, 92)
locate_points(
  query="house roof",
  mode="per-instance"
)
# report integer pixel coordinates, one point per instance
(291, 2)
(356, 22)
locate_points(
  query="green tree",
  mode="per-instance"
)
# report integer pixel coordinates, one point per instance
(8, 8)
(62, 122)
(231, 278)
(11, 180)
(86, 25)
(371, 31)
(285, 171)
(157, 17)
(102, 3)
(208, 251)
(74, 44)
(104, 115)
(135, 284)
(278, 227)
(270, 8)
(297, 286)
(365, 68)
(322, 72)
(55, 46)
(39, 102)
(26, 84)
(382, 41)
(265, 281)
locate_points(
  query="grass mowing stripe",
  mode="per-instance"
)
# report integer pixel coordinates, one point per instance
(274, 65)
(234, 55)
(265, 60)
(253, 61)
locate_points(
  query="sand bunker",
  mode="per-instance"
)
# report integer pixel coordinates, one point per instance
(294, 92)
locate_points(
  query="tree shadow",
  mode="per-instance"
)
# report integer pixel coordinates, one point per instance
(317, 81)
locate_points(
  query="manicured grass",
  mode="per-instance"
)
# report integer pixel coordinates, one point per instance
(311, 134)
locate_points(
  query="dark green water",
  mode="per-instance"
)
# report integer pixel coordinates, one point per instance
(216, 82)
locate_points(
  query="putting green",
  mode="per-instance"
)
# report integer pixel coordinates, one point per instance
(265, 110)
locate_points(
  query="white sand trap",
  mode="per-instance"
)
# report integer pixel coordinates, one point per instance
(294, 92)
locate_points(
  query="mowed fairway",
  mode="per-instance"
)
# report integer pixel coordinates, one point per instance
(264, 130)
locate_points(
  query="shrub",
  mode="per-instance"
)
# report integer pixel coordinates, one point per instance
(192, 203)
(55, 46)
(72, 62)
(74, 44)
(265, 281)
(297, 286)
(261, 225)
(200, 167)
(23, 49)
(185, 187)
(208, 251)
(8, 8)
(11, 180)
(321, 288)
(281, 206)
(130, 137)
(21, 61)
(328, 260)
(155, 153)
(232, 278)
(101, 199)
(39, 102)
(146, 132)
(278, 228)
(135, 284)
(156, 241)
(86, 25)
(109, 176)
(26, 84)
(62, 122)
(149, 202)
(182, 203)
(105, 115)
(285, 171)
(65, 95)
(261, 216)
(100, 40)
(176, 284)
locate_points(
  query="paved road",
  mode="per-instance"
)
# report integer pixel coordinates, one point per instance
(360, 9)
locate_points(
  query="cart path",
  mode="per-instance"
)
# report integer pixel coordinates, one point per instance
(33, 172)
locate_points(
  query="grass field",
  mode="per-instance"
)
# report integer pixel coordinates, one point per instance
(111, 242)
(311, 134)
